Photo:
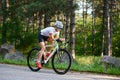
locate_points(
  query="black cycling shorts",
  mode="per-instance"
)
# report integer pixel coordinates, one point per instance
(42, 38)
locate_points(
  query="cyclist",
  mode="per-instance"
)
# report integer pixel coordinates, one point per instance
(49, 34)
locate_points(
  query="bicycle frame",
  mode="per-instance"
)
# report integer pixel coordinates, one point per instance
(60, 56)
(52, 53)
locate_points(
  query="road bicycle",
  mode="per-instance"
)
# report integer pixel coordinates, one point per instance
(61, 58)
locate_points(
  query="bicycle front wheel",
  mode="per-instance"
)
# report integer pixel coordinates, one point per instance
(32, 58)
(61, 61)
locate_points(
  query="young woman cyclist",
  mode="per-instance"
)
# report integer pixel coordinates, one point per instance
(49, 34)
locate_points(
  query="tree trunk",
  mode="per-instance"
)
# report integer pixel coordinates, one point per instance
(28, 24)
(66, 27)
(108, 30)
(108, 47)
(93, 24)
(4, 30)
(46, 21)
(40, 21)
(85, 26)
(111, 27)
(84, 36)
(72, 30)
(117, 13)
(103, 30)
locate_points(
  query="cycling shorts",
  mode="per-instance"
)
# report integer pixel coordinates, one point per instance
(42, 38)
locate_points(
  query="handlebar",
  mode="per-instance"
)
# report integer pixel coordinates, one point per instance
(64, 44)
(58, 40)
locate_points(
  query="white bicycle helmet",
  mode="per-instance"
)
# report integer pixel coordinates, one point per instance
(58, 24)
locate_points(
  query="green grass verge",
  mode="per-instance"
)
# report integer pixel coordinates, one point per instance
(15, 62)
(92, 64)
(82, 64)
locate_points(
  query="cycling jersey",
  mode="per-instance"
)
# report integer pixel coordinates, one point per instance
(45, 33)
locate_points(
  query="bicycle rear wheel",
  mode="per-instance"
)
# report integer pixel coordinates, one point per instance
(61, 61)
(32, 58)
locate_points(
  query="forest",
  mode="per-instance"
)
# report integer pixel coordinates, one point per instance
(92, 26)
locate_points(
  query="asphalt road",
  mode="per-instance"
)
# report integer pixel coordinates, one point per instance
(13, 72)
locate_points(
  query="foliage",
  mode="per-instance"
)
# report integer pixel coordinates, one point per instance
(92, 64)
(116, 39)
(82, 32)
(28, 42)
(14, 29)
(18, 37)
(48, 7)
(97, 40)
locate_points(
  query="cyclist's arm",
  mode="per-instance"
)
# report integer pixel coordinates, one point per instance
(56, 37)
(60, 39)
(51, 37)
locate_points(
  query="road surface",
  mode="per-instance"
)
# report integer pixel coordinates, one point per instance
(13, 72)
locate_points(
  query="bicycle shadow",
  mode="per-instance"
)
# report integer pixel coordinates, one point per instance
(44, 70)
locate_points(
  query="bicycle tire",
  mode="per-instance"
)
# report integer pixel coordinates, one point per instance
(31, 59)
(61, 61)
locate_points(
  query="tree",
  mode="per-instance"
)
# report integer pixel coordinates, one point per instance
(4, 14)
(93, 24)
(72, 28)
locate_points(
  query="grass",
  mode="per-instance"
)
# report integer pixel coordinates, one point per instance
(7, 61)
(82, 64)
(92, 64)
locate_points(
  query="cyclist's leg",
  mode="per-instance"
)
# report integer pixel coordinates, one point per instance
(42, 45)
(41, 52)
(50, 41)
(50, 48)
